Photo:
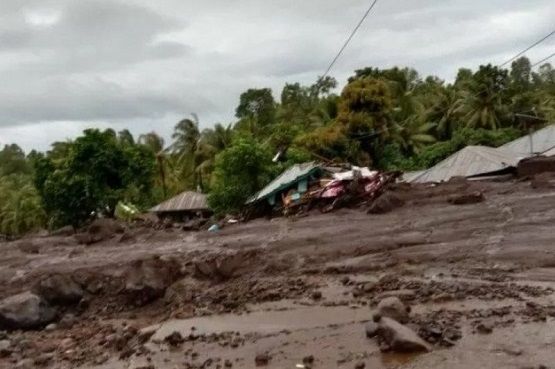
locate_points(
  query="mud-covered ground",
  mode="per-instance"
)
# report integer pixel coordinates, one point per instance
(297, 292)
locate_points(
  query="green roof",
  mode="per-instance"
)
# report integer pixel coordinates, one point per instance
(286, 179)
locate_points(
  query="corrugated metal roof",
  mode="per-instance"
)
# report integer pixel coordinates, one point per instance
(470, 161)
(185, 201)
(286, 179)
(549, 152)
(535, 143)
(412, 176)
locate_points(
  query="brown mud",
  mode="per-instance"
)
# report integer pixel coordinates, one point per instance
(297, 292)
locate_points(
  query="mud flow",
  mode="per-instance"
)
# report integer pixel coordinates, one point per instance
(458, 275)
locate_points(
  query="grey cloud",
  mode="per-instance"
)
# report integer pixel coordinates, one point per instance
(93, 34)
(145, 63)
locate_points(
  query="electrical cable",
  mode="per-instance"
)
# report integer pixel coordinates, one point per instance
(349, 39)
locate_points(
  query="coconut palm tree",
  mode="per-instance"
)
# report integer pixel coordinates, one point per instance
(483, 103)
(444, 112)
(481, 110)
(412, 130)
(156, 143)
(186, 136)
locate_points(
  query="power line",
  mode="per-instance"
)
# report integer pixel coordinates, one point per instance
(349, 39)
(528, 48)
(543, 60)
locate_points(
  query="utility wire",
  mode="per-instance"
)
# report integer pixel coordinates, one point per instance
(543, 60)
(528, 48)
(349, 39)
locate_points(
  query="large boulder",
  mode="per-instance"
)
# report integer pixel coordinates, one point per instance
(147, 280)
(99, 230)
(543, 181)
(220, 266)
(400, 338)
(59, 289)
(28, 247)
(25, 311)
(385, 203)
(535, 165)
(392, 307)
(64, 231)
(467, 198)
(181, 292)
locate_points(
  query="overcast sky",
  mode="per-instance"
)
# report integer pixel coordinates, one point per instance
(66, 65)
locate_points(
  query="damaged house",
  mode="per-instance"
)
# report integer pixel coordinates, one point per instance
(304, 186)
(289, 188)
(532, 153)
(183, 207)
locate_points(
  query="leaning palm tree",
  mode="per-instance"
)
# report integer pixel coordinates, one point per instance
(414, 133)
(412, 129)
(444, 112)
(186, 136)
(156, 143)
(481, 110)
(212, 141)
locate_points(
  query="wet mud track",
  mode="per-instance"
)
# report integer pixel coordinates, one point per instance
(305, 287)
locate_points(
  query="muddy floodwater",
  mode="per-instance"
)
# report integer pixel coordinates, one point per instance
(478, 281)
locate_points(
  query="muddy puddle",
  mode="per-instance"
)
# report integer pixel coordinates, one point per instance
(335, 337)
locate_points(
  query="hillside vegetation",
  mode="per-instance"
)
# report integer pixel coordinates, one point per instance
(384, 118)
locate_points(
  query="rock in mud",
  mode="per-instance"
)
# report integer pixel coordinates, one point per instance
(67, 321)
(316, 295)
(64, 231)
(5, 348)
(181, 292)
(484, 328)
(308, 360)
(25, 311)
(400, 338)
(394, 308)
(360, 365)
(25, 364)
(404, 295)
(371, 329)
(174, 339)
(126, 237)
(220, 266)
(145, 334)
(28, 247)
(147, 280)
(368, 287)
(99, 230)
(385, 203)
(59, 289)
(467, 198)
(262, 359)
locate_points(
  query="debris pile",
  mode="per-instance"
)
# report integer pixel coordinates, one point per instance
(304, 187)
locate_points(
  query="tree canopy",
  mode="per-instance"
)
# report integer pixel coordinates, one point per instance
(387, 118)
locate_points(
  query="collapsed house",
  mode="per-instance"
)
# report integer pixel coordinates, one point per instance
(183, 207)
(470, 162)
(308, 185)
(479, 162)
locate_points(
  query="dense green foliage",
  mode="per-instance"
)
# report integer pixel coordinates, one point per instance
(240, 171)
(387, 118)
(20, 204)
(98, 171)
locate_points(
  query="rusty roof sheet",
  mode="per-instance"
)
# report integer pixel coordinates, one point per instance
(185, 201)
(468, 162)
